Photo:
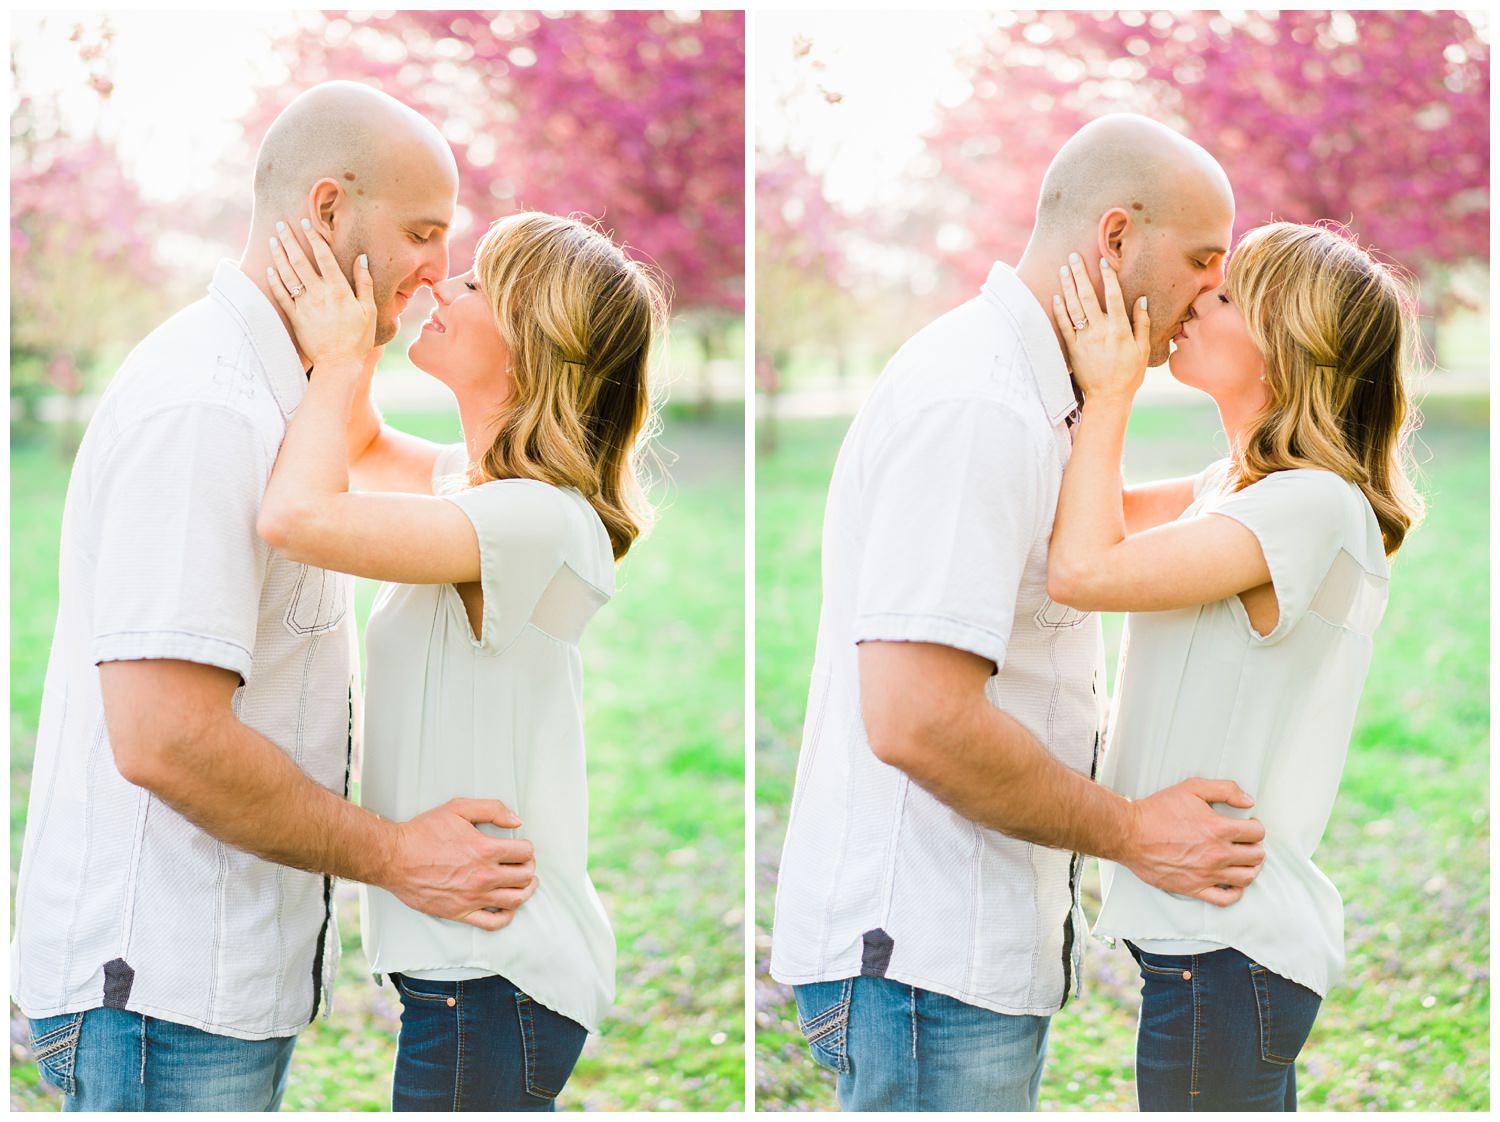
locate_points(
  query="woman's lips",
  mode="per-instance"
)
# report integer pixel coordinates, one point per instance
(432, 323)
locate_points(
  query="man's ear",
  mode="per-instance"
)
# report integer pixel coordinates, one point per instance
(324, 201)
(1115, 227)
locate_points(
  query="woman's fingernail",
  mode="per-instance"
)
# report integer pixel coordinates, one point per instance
(1063, 271)
(1104, 262)
(1055, 299)
(281, 227)
(270, 273)
(273, 243)
(306, 225)
(1073, 257)
(1143, 301)
(364, 261)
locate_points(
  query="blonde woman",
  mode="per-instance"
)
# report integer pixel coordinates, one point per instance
(1254, 590)
(497, 553)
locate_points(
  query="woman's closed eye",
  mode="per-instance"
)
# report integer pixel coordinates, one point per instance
(471, 286)
(1223, 299)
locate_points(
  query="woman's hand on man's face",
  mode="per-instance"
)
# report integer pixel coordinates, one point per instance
(334, 325)
(1107, 353)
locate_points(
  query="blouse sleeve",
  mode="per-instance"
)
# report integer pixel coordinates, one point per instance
(1300, 517)
(523, 528)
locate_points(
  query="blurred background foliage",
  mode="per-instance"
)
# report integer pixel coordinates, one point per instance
(132, 143)
(635, 118)
(1379, 120)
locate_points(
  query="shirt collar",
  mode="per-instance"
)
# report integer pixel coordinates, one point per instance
(267, 334)
(1005, 290)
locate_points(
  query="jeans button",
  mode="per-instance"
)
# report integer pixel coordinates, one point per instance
(452, 1002)
(1187, 976)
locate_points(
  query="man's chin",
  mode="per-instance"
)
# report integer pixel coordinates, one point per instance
(385, 330)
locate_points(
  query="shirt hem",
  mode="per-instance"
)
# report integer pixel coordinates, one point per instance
(908, 979)
(1301, 977)
(170, 1015)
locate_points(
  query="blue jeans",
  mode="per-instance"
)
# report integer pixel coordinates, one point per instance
(896, 1047)
(480, 1045)
(1218, 1031)
(111, 1059)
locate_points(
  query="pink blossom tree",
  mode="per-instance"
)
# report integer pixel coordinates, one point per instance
(1376, 119)
(83, 268)
(633, 118)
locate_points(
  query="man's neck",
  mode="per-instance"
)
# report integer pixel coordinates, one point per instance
(1037, 270)
(253, 265)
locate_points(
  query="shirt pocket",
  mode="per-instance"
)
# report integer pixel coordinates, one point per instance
(318, 602)
(1052, 616)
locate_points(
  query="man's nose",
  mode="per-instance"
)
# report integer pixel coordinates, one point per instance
(435, 265)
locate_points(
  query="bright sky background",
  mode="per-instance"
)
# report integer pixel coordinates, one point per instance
(182, 82)
(892, 69)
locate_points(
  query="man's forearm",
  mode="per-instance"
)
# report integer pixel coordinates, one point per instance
(241, 788)
(985, 765)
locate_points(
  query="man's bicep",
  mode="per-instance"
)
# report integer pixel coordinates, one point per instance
(908, 689)
(149, 703)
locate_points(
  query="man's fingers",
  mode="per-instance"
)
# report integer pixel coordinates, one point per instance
(511, 874)
(1237, 876)
(1220, 896)
(487, 921)
(485, 810)
(1219, 791)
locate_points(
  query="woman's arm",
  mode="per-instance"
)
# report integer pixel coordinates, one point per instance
(1094, 563)
(307, 512)
(1152, 504)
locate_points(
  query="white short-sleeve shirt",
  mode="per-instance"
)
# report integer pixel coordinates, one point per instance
(121, 901)
(499, 716)
(936, 531)
(1200, 693)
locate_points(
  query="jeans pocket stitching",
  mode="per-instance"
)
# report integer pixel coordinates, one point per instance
(55, 1052)
(827, 1033)
(1258, 975)
(528, 1048)
(418, 995)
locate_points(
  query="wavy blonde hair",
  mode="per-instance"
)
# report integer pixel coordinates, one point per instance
(579, 317)
(1336, 329)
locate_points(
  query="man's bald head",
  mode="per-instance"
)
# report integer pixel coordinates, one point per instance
(1158, 206)
(352, 134)
(371, 176)
(1128, 161)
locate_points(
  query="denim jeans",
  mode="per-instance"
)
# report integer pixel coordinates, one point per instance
(111, 1059)
(480, 1045)
(897, 1047)
(1218, 1031)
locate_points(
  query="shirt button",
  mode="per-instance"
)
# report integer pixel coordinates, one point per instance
(452, 1001)
(1186, 976)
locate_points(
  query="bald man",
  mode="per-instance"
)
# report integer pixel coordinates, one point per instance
(927, 906)
(188, 810)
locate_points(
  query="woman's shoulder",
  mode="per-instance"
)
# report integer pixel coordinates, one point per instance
(541, 510)
(1323, 502)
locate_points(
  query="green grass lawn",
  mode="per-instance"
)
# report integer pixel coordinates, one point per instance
(1408, 1029)
(665, 711)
